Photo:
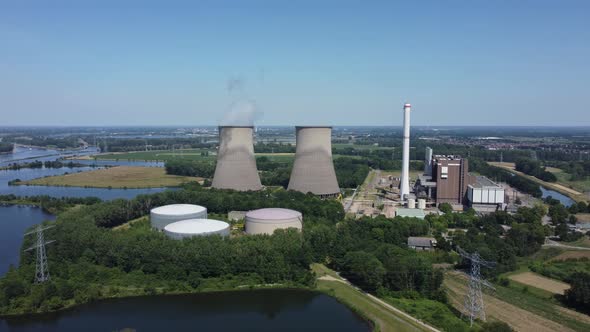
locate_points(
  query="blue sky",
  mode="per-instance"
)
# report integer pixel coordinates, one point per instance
(301, 62)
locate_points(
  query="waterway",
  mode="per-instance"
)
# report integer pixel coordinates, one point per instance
(565, 200)
(14, 220)
(258, 310)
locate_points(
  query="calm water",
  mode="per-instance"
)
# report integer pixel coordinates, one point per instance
(14, 220)
(260, 311)
(560, 197)
(22, 155)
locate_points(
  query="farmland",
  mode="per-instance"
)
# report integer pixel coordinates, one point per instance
(538, 281)
(115, 177)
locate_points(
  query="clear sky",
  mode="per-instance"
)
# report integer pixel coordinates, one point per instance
(471, 62)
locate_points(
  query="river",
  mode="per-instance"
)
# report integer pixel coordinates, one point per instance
(252, 310)
(565, 200)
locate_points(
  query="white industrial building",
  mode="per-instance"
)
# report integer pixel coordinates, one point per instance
(164, 215)
(196, 227)
(485, 193)
(266, 221)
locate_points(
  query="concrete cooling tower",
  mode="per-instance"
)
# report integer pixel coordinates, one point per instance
(313, 169)
(236, 165)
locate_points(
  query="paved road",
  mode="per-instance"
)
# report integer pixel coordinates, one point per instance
(551, 243)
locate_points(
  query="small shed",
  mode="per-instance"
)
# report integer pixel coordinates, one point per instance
(421, 243)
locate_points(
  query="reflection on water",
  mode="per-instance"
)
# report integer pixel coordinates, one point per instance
(260, 310)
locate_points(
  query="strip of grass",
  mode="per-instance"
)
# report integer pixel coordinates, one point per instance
(433, 312)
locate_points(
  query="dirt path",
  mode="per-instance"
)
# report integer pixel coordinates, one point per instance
(519, 319)
(538, 281)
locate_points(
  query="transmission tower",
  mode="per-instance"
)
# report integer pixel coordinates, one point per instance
(474, 306)
(41, 269)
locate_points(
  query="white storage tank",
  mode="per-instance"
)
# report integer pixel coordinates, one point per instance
(266, 221)
(422, 204)
(411, 203)
(196, 227)
(164, 215)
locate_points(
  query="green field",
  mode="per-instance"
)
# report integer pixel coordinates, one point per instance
(161, 155)
(563, 177)
(385, 319)
(360, 147)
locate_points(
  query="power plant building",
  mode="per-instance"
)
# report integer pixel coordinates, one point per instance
(485, 192)
(196, 227)
(451, 174)
(236, 164)
(161, 216)
(313, 168)
(266, 221)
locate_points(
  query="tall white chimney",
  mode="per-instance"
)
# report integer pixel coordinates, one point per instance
(405, 179)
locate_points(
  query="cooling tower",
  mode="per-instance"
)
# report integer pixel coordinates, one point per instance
(313, 169)
(236, 165)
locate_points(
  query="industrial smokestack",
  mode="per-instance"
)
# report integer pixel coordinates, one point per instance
(428, 162)
(236, 165)
(405, 179)
(313, 169)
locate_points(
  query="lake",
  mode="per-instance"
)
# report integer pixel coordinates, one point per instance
(14, 220)
(256, 310)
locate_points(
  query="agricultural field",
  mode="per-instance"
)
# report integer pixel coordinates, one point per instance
(538, 281)
(115, 177)
(523, 310)
(563, 177)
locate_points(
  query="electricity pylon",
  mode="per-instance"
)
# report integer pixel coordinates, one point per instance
(474, 306)
(41, 268)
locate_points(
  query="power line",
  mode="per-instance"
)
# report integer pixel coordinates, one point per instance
(474, 305)
(41, 267)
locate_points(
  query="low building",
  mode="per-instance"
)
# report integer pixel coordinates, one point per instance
(484, 195)
(421, 243)
(411, 213)
(236, 215)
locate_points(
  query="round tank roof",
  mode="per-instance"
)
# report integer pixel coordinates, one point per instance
(196, 226)
(273, 214)
(178, 209)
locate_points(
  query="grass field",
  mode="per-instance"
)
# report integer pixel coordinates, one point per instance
(160, 155)
(385, 319)
(524, 311)
(360, 147)
(583, 242)
(116, 177)
(538, 281)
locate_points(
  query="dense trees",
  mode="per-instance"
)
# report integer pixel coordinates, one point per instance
(534, 168)
(578, 295)
(499, 174)
(5, 147)
(190, 168)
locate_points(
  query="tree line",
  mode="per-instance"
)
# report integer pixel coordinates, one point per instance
(534, 168)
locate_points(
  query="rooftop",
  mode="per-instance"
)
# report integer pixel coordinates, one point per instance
(178, 209)
(196, 226)
(421, 241)
(274, 214)
(483, 182)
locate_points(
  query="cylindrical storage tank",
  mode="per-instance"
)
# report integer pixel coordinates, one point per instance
(266, 221)
(422, 204)
(164, 215)
(196, 227)
(411, 203)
